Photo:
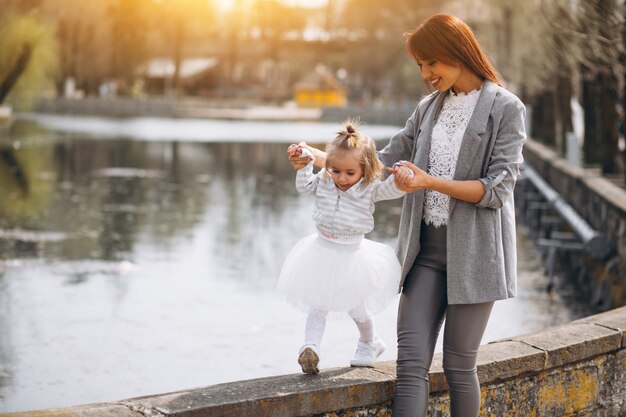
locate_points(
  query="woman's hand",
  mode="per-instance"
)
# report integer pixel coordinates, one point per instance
(296, 158)
(409, 178)
(299, 161)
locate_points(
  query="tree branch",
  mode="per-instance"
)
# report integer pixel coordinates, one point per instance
(14, 74)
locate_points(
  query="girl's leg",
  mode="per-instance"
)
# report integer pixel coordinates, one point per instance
(308, 358)
(364, 322)
(315, 326)
(420, 315)
(465, 326)
(369, 346)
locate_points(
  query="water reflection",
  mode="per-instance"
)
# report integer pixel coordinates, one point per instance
(131, 267)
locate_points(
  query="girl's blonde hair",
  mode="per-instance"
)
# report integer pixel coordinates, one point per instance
(364, 148)
(448, 39)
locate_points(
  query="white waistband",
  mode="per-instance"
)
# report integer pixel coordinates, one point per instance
(351, 240)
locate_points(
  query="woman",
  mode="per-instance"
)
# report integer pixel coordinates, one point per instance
(456, 242)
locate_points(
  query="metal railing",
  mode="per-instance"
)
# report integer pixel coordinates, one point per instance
(545, 213)
(595, 242)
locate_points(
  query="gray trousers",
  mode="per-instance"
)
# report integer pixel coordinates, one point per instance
(423, 307)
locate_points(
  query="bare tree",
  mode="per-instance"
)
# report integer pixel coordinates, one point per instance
(538, 59)
(556, 44)
(85, 47)
(600, 35)
(622, 116)
(129, 23)
(181, 24)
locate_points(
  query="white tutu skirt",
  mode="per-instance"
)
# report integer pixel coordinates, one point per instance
(322, 275)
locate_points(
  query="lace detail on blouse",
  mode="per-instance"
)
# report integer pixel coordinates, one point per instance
(445, 144)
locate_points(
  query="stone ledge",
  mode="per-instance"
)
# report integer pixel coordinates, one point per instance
(573, 343)
(289, 395)
(522, 358)
(542, 157)
(607, 190)
(612, 319)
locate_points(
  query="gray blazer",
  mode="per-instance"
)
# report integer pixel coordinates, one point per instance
(482, 259)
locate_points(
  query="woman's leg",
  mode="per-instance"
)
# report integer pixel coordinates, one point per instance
(465, 326)
(422, 309)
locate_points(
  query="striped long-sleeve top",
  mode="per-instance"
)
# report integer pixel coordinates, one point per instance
(344, 216)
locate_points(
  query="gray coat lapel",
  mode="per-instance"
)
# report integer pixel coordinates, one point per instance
(475, 128)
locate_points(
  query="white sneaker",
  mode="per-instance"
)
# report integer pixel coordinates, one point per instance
(308, 358)
(367, 352)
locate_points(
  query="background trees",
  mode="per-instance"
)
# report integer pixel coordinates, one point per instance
(178, 26)
(84, 42)
(558, 55)
(571, 53)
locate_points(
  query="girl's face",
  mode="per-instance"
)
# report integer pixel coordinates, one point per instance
(345, 170)
(440, 75)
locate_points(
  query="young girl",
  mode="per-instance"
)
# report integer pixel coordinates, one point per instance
(337, 270)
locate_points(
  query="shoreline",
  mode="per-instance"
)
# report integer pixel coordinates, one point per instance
(380, 113)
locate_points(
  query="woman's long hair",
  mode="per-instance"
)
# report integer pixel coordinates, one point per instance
(448, 39)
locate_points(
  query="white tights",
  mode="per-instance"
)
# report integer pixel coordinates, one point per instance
(316, 324)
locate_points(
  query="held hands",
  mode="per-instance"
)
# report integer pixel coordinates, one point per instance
(408, 177)
(299, 155)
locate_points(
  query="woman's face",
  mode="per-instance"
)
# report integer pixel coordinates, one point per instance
(440, 75)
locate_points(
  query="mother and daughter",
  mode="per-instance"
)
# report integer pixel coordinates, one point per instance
(455, 162)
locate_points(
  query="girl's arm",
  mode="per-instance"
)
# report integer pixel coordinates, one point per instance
(387, 190)
(306, 181)
(399, 146)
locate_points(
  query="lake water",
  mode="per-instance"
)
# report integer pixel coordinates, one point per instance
(139, 256)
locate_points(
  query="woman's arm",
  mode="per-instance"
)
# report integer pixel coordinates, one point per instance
(506, 157)
(471, 191)
(401, 144)
(499, 181)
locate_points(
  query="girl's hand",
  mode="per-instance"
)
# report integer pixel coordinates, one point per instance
(294, 150)
(408, 177)
(296, 157)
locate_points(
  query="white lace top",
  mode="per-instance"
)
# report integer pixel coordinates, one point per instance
(445, 144)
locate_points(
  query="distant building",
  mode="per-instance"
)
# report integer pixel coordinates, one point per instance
(320, 89)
